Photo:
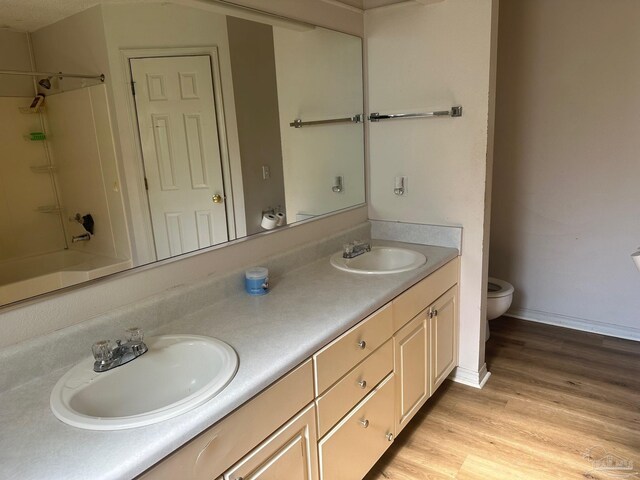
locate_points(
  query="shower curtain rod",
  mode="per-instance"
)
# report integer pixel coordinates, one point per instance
(52, 74)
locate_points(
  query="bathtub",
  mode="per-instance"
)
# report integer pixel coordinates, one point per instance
(27, 277)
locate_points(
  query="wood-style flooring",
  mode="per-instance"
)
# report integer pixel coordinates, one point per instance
(560, 404)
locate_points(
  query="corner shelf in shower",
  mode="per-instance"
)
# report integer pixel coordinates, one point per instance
(43, 169)
(32, 111)
(36, 137)
(49, 209)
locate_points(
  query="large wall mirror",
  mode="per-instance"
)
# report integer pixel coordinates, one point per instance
(211, 123)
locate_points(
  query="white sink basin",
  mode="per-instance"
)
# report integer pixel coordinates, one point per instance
(380, 260)
(178, 373)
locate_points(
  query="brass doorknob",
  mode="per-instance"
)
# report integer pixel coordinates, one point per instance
(217, 198)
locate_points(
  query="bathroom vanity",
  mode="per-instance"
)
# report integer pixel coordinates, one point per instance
(331, 363)
(335, 414)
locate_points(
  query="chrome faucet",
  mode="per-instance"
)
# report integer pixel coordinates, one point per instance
(355, 248)
(85, 237)
(113, 353)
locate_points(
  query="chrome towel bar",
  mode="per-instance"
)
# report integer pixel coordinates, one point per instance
(452, 112)
(298, 123)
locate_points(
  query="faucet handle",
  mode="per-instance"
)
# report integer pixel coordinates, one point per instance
(134, 334)
(103, 350)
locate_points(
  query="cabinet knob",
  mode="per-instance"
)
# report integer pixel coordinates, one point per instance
(364, 422)
(362, 344)
(389, 436)
(363, 384)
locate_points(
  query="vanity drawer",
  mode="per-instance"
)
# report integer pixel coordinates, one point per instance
(356, 443)
(341, 398)
(341, 355)
(424, 293)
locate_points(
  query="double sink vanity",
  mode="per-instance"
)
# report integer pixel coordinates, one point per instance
(331, 366)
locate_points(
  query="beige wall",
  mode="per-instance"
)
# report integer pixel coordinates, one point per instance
(15, 55)
(432, 57)
(567, 170)
(256, 101)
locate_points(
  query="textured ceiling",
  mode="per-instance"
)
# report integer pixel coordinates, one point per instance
(30, 15)
(368, 4)
(353, 3)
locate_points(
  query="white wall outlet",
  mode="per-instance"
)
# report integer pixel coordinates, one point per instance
(266, 172)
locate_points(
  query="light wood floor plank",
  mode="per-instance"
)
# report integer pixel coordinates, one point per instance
(553, 396)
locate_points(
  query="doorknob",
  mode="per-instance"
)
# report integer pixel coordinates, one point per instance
(217, 198)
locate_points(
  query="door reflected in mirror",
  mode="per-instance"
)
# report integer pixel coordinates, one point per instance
(211, 124)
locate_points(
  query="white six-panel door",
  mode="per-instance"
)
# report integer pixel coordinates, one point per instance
(181, 152)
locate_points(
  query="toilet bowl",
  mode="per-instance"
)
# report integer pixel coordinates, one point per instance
(499, 297)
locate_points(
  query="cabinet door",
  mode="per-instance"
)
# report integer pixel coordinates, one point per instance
(289, 453)
(412, 368)
(354, 445)
(443, 323)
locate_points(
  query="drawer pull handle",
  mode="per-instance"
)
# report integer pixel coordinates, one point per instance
(389, 437)
(362, 344)
(364, 422)
(363, 384)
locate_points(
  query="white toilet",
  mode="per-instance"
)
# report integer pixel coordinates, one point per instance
(499, 297)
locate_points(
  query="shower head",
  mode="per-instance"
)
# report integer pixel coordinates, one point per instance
(45, 83)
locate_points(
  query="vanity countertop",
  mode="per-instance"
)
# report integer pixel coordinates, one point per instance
(305, 309)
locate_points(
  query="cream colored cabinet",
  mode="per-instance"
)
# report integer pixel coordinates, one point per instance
(353, 446)
(355, 397)
(289, 453)
(414, 300)
(336, 402)
(340, 356)
(443, 330)
(211, 453)
(411, 344)
(426, 345)
(335, 414)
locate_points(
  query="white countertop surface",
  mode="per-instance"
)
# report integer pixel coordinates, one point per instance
(305, 309)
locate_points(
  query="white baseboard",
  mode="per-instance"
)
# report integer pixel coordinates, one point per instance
(575, 323)
(471, 377)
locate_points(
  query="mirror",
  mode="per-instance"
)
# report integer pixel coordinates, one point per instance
(212, 123)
